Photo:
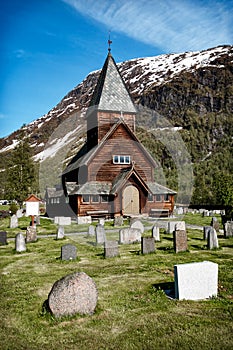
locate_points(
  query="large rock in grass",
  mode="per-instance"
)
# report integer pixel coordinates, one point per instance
(73, 294)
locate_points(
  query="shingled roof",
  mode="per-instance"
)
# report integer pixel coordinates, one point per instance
(111, 93)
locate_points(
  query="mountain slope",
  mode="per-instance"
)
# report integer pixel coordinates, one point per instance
(193, 91)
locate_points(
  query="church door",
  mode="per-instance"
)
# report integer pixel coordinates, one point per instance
(130, 200)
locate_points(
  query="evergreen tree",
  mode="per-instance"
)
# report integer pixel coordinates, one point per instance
(21, 172)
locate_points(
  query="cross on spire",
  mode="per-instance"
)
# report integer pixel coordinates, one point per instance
(109, 43)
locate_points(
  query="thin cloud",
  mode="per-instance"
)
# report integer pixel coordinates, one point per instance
(172, 25)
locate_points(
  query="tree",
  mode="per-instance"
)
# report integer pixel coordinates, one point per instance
(21, 175)
(223, 186)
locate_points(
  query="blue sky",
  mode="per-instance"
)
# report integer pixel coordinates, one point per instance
(49, 46)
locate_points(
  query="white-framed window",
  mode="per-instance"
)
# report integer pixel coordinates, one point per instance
(95, 198)
(120, 159)
(86, 198)
(150, 197)
(166, 197)
(158, 198)
(104, 198)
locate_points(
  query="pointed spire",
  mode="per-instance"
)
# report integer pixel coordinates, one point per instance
(111, 93)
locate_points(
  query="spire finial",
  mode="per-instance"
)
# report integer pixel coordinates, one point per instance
(109, 42)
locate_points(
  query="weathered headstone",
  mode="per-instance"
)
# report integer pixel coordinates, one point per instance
(129, 235)
(212, 239)
(37, 219)
(215, 224)
(3, 238)
(68, 252)
(138, 225)
(196, 281)
(101, 221)
(171, 226)
(19, 213)
(91, 230)
(20, 244)
(13, 221)
(84, 220)
(180, 241)
(73, 294)
(118, 221)
(228, 229)
(180, 226)
(60, 232)
(155, 233)
(62, 220)
(100, 234)
(111, 249)
(147, 245)
(206, 230)
(31, 235)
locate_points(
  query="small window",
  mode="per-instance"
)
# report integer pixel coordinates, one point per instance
(95, 198)
(166, 197)
(104, 198)
(150, 197)
(86, 198)
(121, 159)
(158, 198)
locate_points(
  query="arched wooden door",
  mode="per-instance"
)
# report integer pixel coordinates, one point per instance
(130, 200)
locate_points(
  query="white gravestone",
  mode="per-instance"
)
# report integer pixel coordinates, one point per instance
(62, 220)
(20, 243)
(155, 233)
(13, 221)
(129, 235)
(196, 281)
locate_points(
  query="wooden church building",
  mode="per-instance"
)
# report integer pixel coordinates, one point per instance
(113, 173)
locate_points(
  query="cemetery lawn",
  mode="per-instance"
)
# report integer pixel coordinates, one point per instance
(133, 311)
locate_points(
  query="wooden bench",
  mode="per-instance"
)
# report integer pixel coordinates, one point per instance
(159, 212)
(98, 213)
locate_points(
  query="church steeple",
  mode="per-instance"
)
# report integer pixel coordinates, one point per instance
(110, 102)
(111, 93)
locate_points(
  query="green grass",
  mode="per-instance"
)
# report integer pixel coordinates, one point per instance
(132, 313)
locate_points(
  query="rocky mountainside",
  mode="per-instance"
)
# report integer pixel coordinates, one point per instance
(193, 91)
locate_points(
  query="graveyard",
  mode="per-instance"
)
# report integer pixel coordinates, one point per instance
(136, 307)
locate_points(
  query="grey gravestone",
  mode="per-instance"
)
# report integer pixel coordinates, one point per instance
(91, 230)
(73, 294)
(212, 240)
(138, 225)
(111, 249)
(147, 245)
(60, 232)
(3, 238)
(206, 230)
(171, 226)
(129, 235)
(100, 234)
(37, 219)
(132, 220)
(118, 221)
(228, 229)
(68, 252)
(31, 235)
(14, 221)
(155, 233)
(215, 224)
(180, 241)
(20, 244)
